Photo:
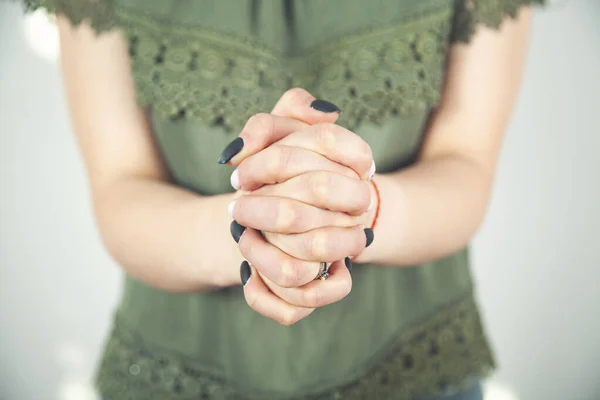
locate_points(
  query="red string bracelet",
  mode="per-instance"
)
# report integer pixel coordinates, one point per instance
(378, 205)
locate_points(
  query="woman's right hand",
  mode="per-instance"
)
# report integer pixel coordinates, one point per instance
(309, 208)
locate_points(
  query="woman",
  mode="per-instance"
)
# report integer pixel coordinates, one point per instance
(157, 90)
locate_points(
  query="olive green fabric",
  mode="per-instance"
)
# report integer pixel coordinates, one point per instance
(202, 68)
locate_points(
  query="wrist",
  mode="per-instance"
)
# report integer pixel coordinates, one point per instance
(217, 256)
(369, 219)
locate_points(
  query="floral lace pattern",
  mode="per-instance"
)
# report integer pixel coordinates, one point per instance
(439, 354)
(99, 13)
(215, 79)
(223, 80)
(470, 14)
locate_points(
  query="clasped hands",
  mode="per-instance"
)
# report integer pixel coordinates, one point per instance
(303, 197)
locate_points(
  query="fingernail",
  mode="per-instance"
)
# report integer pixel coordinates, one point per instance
(245, 272)
(231, 150)
(236, 230)
(371, 204)
(370, 236)
(372, 170)
(324, 106)
(235, 179)
(230, 208)
(348, 263)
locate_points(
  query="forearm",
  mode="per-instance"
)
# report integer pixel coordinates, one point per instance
(167, 237)
(428, 211)
(434, 208)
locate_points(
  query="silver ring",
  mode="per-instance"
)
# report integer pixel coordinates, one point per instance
(323, 271)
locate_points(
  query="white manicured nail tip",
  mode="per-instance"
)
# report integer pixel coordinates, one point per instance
(235, 179)
(230, 208)
(372, 170)
(371, 204)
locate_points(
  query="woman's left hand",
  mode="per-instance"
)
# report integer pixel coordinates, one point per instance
(305, 195)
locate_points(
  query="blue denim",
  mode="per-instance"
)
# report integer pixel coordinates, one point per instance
(473, 392)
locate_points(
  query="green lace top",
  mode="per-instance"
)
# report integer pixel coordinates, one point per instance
(202, 68)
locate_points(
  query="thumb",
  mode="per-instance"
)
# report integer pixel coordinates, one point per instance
(299, 104)
(294, 111)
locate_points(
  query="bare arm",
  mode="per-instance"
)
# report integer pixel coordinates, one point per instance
(167, 237)
(435, 207)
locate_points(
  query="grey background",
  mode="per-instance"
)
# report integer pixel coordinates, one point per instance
(537, 257)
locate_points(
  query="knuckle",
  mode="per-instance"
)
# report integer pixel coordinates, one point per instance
(261, 121)
(326, 135)
(319, 185)
(347, 287)
(274, 160)
(252, 298)
(285, 157)
(294, 95)
(312, 298)
(366, 150)
(287, 217)
(289, 316)
(319, 245)
(365, 156)
(290, 276)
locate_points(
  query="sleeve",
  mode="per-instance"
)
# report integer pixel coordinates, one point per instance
(100, 14)
(469, 14)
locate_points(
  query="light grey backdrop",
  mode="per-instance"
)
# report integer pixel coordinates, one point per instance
(537, 257)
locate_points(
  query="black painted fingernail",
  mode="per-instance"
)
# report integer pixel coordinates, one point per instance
(236, 230)
(245, 272)
(231, 150)
(370, 236)
(348, 263)
(324, 106)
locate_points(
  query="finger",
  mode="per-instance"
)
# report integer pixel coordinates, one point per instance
(299, 104)
(325, 190)
(274, 264)
(260, 131)
(323, 244)
(337, 144)
(283, 215)
(261, 300)
(294, 109)
(317, 293)
(277, 164)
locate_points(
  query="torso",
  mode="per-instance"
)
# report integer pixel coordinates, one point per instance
(402, 331)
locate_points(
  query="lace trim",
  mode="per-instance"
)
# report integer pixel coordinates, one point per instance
(470, 14)
(223, 80)
(187, 72)
(441, 354)
(99, 13)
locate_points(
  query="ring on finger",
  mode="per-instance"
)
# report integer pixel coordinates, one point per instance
(323, 271)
